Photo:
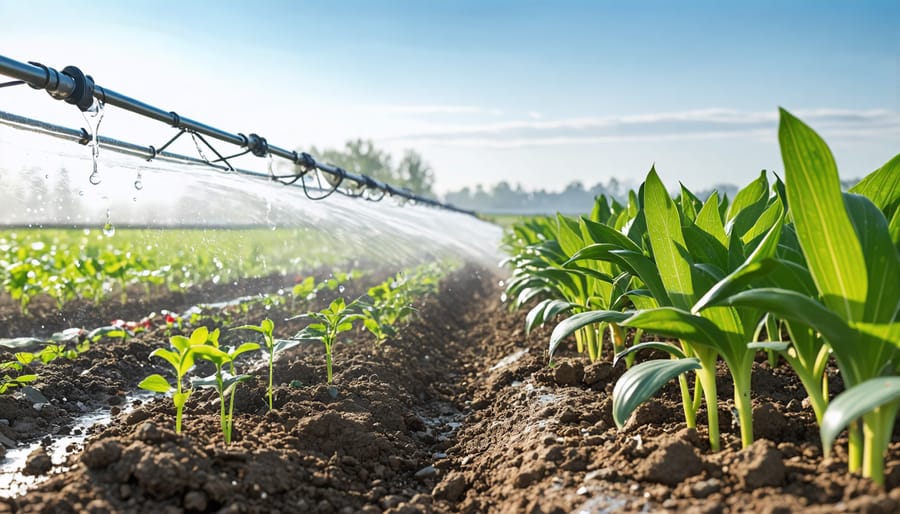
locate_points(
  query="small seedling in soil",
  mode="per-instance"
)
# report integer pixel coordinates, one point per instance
(224, 381)
(8, 381)
(272, 346)
(181, 357)
(335, 319)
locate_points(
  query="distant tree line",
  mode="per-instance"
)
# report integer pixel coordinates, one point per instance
(363, 158)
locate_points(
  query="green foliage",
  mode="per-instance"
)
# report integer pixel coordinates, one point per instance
(335, 319)
(362, 157)
(390, 303)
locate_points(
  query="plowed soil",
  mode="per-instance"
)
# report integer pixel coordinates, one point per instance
(459, 413)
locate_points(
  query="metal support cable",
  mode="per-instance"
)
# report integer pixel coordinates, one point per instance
(76, 88)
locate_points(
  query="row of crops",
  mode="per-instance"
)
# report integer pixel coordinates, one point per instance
(795, 268)
(100, 263)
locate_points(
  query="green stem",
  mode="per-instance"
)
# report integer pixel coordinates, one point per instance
(741, 377)
(328, 361)
(707, 375)
(855, 447)
(690, 414)
(271, 372)
(179, 407)
(590, 339)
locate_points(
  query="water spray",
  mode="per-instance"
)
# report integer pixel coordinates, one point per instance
(74, 87)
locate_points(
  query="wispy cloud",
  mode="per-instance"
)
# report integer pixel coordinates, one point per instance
(694, 124)
(419, 110)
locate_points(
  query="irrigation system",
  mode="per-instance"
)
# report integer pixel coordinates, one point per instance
(74, 87)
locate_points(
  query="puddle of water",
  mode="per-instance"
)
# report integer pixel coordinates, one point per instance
(509, 359)
(601, 504)
(14, 483)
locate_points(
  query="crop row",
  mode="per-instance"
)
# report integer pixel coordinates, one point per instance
(795, 268)
(95, 264)
(383, 310)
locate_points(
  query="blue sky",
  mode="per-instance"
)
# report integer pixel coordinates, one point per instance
(537, 93)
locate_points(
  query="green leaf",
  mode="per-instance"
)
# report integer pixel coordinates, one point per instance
(651, 345)
(155, 383)
(642, 380)
(853, 403)
(212, 354)
(535, 316)
(680, 324)
(243, 348)
(25, 379)
(882, 186)
(268, 326)
(199, 336)
(168, 355)
(573, 323)
(667, 240)
(882, 260)
(25, 358)
(794, 306)
(180, 343)
(832, 249)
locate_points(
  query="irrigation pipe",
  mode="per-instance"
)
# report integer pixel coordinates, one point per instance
(76, 88)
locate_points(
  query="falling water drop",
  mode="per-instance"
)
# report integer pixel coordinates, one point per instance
(138, 182)
(81, 193)
(109, 230)
(93, 116)
(340, 289)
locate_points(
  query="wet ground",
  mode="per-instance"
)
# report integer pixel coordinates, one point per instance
(459, 413)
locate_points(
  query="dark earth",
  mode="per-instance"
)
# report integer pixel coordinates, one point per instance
(459, 413)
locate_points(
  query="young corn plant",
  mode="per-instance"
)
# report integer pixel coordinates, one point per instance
(272, 347)
(181, 358)
(852, 248)
(690, 250)
(330, 322)
(225, 379)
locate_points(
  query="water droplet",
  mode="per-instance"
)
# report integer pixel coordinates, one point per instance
(340, 289)
(138, 184)
(109, 230)
(46, 175)
(80, 193)
(134, 199)
(95, 178)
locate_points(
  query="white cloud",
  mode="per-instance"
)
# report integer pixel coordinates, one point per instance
(535, 115)
(694, 124)
(424, 109)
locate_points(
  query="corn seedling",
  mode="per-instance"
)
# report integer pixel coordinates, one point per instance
(851, 249)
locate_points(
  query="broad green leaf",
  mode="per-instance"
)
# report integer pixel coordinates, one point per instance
(669, 348)
(709, 220)
(832, 250)
(583, 319)
(604, 234)
(168, 355)
(199, 336)
(882, 186)
(243, 348)
(567, 234)
(642, 380)
(258, 329)
(212, 354)
(855, 402)
(155, 383)
(894, 229)
(794, 306)
(267, 325)
(25, 379)
(535, 316)
(554, 308)
(180, 343)
(680, 324)
(882, 260)
(735, 282)
(748, 196)
(24, 358)
(667, 240)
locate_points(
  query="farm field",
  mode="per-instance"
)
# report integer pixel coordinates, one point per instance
(662, 354)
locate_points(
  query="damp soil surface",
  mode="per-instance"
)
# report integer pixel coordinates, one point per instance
(458, 413)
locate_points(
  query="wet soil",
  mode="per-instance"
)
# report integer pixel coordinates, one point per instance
(459, 413)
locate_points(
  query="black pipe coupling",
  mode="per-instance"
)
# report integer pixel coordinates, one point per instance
(369, 182)
(307, 162)
(257, 145)
(83, 94)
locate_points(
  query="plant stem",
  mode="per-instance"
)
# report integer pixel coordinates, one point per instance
(690, 417)
(741, 377)
(854, 447)
(707, 375)
(271, 372)
(328, 361)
